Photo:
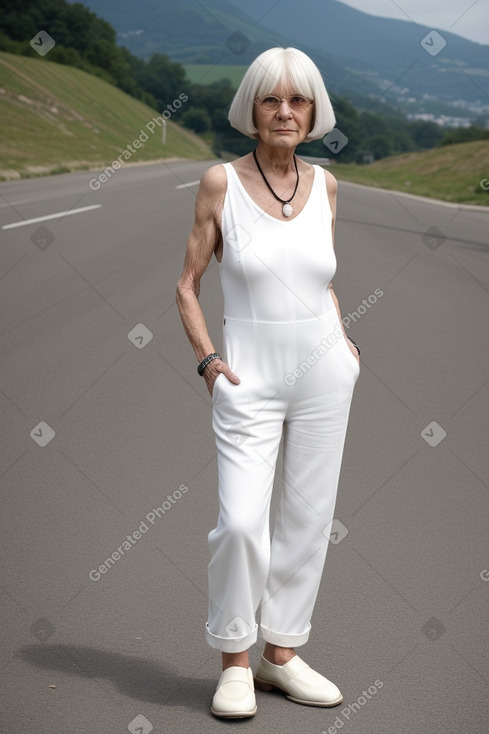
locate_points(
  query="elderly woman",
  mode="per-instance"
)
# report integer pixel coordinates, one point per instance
(287, 370)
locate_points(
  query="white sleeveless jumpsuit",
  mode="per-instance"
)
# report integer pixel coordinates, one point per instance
(283, 338)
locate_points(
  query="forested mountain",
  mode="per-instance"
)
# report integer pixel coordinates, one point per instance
(83, 40)
(211, 32)
(357, 52)
(383, 49)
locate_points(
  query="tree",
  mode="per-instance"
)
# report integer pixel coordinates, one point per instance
(379, 145)
(464, 135)
(426, 134)
(196, 119)
(164, 79)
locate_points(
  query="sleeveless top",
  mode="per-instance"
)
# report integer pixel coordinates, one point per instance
(275, 271)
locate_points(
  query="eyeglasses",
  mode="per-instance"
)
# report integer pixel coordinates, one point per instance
(296, 102)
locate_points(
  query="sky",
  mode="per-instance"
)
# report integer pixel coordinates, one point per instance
(467, 18)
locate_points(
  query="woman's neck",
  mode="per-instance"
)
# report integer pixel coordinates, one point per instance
(279, 161)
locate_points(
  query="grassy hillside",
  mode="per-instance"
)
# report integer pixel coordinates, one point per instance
(208, 73)
(452, 173)
(56, 118)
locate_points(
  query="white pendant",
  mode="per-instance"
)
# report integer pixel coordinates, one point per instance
(287, 210)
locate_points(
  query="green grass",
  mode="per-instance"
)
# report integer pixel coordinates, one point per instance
(451, 173)
(55, 118)
(208, 73)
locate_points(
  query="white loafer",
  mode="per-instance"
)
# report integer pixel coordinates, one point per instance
(299, 681)
(235, 694)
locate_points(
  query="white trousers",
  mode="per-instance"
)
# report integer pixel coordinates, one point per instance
(297, 380)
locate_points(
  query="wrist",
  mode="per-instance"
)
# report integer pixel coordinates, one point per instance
(355, 345)
(201, 367)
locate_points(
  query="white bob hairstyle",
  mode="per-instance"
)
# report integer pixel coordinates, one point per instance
(281, 66)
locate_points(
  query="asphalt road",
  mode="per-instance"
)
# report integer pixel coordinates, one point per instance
(107, 444)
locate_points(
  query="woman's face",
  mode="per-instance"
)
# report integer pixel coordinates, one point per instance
(285, 127)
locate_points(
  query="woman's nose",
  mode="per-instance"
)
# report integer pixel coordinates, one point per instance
(284, 110)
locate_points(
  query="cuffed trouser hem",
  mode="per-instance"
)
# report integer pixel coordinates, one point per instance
(276, 638)
(231, 644)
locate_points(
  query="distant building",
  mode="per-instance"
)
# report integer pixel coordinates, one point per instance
(441, 120)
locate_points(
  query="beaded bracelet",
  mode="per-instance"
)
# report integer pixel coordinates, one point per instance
(206, 360)
(355, 345)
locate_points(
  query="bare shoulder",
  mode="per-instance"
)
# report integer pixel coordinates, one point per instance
(211, 194)
(331, 182)
(214, 181)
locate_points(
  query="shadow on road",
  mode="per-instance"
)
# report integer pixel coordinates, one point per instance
(140, 679)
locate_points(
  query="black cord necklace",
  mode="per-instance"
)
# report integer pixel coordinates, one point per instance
(286, 209)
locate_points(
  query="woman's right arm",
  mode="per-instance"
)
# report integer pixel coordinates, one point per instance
(204, 238)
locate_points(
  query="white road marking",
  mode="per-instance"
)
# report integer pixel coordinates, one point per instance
(58, 215)
(184, 186)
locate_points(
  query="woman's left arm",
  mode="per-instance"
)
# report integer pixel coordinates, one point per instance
(332, 189)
